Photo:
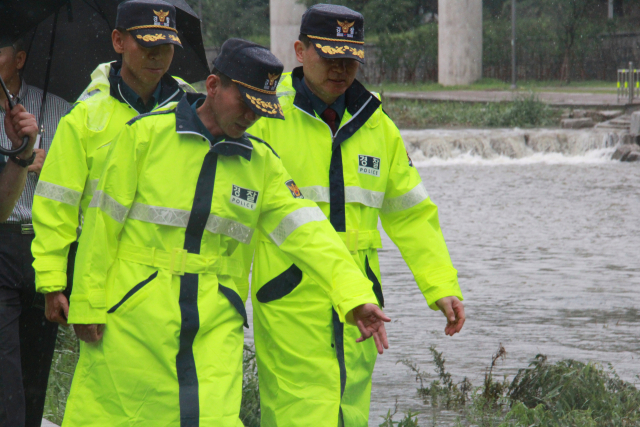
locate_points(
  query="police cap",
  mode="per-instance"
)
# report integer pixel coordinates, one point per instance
(335, 31)
(150, 22)
(256, 72)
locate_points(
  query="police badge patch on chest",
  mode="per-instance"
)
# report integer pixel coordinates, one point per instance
(369, 165)
(244, 197)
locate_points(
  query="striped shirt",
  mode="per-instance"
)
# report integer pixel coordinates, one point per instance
(31, 98)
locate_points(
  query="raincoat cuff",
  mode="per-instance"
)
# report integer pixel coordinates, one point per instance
(439, 283)
(50, 263)
(51, 281)
(87, 309)
(347, 296)
(348, 306)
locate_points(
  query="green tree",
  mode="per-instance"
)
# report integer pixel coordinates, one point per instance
(569, 21)
(223, 19)
(388, 17)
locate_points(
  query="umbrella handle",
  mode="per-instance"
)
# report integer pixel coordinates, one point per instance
(25, 140)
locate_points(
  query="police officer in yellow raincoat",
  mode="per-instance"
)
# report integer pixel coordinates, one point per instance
(118, 92)
(154, 295)
(347, 155)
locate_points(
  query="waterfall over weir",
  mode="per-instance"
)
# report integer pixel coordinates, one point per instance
(505, 145)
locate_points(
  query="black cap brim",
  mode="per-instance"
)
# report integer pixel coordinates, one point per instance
(338, 49)
(263, 104)
(150, 37)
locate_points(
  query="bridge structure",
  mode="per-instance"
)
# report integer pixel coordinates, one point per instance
(459, 38)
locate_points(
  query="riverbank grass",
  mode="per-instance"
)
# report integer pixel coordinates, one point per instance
(525, 112)
(567, 393)
(487, 84)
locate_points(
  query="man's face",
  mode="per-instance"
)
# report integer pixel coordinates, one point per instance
(327, 78)
(146, 64)
(230, 111)
(10, 63)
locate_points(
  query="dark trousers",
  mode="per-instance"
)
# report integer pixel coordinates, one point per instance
(27, 339)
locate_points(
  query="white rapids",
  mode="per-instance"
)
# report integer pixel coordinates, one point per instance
(509, 146)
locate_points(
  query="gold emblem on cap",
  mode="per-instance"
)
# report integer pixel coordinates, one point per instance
(346, 26)
(271, 108)
(341, 50)
(162, 15)
(152, 37)
(273, 78)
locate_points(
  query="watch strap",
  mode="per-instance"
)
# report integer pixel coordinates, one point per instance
(22, 162)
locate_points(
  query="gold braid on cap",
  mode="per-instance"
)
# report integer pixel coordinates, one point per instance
(335, 40)
(341, 50)
(271, 108)
(268, 92)
(148, 27)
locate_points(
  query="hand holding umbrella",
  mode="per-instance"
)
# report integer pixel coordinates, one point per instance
(9, 106)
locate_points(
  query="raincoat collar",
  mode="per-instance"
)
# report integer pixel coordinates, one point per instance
(360, 103)
(319, 106)
(136, 101)
(169, 89)
(188, 122)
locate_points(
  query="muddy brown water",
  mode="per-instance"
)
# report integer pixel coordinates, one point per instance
(548, 255)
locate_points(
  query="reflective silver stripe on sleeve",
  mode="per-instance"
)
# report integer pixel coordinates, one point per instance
(180, 218)
(58, 193)
(160, 215)
(233, 229)
(109, 205)
(369, 198)
(294, 220)
(90, 188)
(373, 199)
(406, 201)
(316, 193)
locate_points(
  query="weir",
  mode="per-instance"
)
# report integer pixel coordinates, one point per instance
(511, 143)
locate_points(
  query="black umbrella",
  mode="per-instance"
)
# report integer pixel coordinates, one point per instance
(67, 39)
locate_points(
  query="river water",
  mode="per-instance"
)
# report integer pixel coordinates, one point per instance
(547, 247)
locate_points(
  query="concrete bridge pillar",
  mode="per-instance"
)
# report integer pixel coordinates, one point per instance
(285, 27)
(459, 41)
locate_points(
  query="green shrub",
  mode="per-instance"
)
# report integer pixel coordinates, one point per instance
(63, 365)
(523, 112)
(569, 386)
(567, 393)
(410, 419)
(250, 407)
(410, 49)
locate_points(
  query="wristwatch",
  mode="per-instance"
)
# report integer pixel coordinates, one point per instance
(21, 162)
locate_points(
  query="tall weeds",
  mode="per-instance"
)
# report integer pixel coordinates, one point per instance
(568, 393)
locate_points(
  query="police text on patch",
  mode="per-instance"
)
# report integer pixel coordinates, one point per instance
(244, 197)
(369, 165)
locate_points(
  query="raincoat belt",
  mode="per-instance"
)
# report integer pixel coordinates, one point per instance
(179, 261)
(361, 240)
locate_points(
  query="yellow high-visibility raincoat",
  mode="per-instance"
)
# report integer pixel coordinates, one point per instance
(357, 176)
(74, 164)
(155, 265)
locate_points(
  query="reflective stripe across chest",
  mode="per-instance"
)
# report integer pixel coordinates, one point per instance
(363, 168)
